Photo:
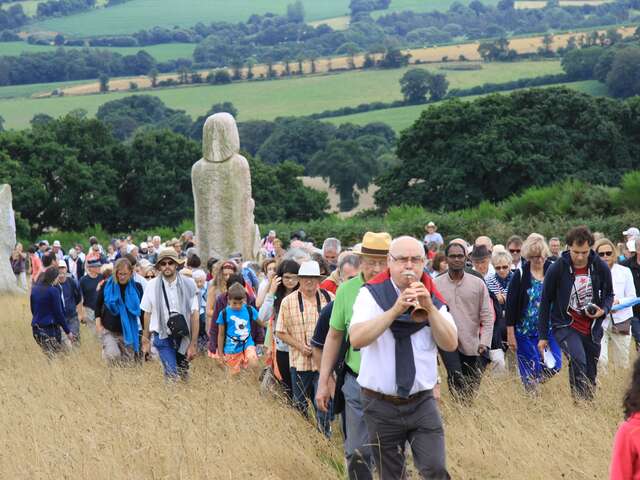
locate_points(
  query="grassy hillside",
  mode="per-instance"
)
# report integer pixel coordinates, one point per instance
(123, 423)
(403, 117)
(161, 53)
(142, 14)
(270, 99)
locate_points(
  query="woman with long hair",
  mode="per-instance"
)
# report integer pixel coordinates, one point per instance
(283, 283)
(19, 265)
(625, 458)
(221, 273)
(48, 313)
(118, 314)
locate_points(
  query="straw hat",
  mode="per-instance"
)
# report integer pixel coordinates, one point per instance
(375, 244)
(169, 253)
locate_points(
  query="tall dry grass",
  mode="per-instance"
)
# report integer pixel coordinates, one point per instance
(74, 418)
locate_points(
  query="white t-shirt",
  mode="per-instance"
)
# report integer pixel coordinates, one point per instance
(623, 290)
(148, 303)
(378, 359)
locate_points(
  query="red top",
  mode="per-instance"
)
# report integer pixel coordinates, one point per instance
(625, 458)
(329, 285)
(581, 323)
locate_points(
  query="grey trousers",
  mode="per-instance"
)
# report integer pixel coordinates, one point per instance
(90, 318)
(357, 449)
(392, 426)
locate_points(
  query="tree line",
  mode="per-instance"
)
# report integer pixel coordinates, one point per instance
(458, 154)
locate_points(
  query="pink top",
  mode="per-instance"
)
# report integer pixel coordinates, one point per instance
(625, 461)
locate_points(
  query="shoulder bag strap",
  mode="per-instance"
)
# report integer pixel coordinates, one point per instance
(164, 294)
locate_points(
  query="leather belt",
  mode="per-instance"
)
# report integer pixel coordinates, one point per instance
(394, 399)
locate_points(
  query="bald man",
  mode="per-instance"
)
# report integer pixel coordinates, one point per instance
(398, 368)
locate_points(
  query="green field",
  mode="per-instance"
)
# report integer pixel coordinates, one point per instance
(425, 5)
(162, 53)
(403, 117)
(18, 91)
(270, 99)
(143, 14)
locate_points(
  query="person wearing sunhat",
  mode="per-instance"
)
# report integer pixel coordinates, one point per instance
(171, 296)
(373, 253)
(432, 235)
(631, 233)
(296, 323)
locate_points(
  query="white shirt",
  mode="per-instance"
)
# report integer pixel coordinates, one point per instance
(148, 303)
(378, 359)
(623, 291)
(141, 280)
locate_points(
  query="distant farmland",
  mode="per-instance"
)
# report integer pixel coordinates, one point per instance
(136, 15)
(403, 117)
(270, 99)
(162, 52)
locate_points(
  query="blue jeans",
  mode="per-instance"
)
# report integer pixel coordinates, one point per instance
(304, 386)
(532, 368)
(175, 364)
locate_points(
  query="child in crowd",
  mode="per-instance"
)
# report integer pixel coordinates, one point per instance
(201, 283)
(234, 331)
(625, 462)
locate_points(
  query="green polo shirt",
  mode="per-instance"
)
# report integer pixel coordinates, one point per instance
(342, 313)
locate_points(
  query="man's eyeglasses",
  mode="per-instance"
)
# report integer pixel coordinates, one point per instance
(164, 263)
(456, 256)
(608, 253)
(371, 262)
(416, 260)
(514, 250)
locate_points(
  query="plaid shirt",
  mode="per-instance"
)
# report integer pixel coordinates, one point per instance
(300, 326)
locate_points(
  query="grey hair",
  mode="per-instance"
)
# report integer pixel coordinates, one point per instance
(331, 244)
(348, 259)
(500, 255)
(297, 254)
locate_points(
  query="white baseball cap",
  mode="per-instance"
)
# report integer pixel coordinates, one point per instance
(62, 264)
(632, 231)
(56, 243)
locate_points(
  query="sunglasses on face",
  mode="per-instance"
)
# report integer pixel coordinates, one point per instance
(164, 263)
(504, 267)
(514, 250)
(456, 256)
(608, 253)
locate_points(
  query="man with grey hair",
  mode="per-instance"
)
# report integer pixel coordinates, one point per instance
(330, 250)
(399, 321)
(554, 247)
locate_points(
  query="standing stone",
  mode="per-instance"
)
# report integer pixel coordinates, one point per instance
(7, 242)
(221, 183)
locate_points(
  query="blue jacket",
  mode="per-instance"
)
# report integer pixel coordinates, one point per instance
(558, 284)
(71, 294)
(517, 296)
(46, 307)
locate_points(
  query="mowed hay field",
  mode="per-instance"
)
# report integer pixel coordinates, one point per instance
(270, 99)
(74, 418)
(403, 117)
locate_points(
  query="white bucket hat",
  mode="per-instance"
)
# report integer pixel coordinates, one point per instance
(309, 269)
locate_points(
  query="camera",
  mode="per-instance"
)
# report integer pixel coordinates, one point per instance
(590, 309)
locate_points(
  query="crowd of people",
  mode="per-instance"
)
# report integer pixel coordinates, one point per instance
(358, 332)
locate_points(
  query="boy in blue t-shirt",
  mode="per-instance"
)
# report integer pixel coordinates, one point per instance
(234, 331)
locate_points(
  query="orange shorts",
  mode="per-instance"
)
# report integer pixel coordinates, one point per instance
(238, 361)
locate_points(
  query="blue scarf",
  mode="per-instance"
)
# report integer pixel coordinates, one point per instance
(128, 310)
(504, 282)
